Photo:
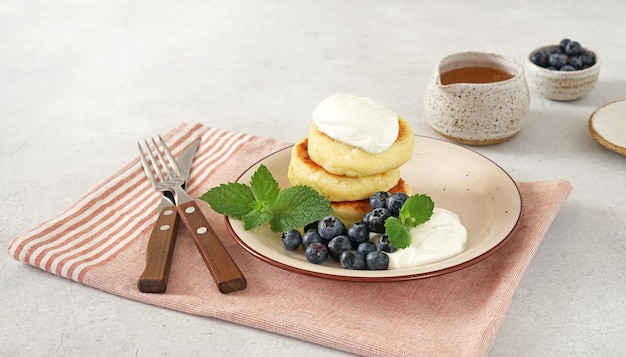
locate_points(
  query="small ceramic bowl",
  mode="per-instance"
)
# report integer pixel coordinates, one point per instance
(561, 85)
(475, 112)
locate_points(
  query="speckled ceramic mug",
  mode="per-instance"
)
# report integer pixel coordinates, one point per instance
(478, 113)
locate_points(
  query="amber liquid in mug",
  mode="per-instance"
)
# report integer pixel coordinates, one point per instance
(474, 75)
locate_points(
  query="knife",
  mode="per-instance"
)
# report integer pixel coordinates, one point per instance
(224, 271)
(162, 240)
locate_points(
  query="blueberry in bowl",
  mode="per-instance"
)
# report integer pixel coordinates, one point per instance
(565, 71)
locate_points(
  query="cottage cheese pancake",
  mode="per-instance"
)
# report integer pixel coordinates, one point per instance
(304, 171)
(340, 158)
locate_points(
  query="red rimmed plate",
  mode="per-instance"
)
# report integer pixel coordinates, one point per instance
(484, 196)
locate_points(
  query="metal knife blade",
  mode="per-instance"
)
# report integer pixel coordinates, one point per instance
(163, 237)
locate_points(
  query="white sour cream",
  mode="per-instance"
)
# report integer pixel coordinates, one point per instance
(356, 121)
(441, 237)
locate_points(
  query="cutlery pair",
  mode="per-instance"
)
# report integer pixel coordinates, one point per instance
(168, 175)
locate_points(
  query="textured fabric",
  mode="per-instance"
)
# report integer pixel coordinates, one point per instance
(100, 241)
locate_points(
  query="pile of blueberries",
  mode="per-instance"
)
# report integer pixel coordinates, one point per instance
(570, 56)
(363, 245)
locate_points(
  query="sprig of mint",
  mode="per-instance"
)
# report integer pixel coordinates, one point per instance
(264, 202)
(416, 210)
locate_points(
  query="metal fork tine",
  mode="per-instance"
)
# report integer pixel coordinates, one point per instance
(164, 166)
(159, 165)
(169, 164)
(146, 165)
(170, 157)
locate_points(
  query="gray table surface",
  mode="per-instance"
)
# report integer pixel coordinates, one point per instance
(82, 81)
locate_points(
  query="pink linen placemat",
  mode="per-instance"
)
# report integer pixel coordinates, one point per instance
(100, 241)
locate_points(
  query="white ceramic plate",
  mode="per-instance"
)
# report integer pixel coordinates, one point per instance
(484, 196)
(608, 126)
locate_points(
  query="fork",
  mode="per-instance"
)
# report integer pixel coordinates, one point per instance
(164, 174)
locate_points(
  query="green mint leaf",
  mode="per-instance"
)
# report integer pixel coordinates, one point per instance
(264, 202)
(232, 199)
(256, 218)
(416, 210)
(298, 206)
(398, 233)
(264, 186)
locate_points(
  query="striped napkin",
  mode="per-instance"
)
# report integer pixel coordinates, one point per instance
(100, 241)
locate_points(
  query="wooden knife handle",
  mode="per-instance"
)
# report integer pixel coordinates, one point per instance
(223, 269)
(159, 252)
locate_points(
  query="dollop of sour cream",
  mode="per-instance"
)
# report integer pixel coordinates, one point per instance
(441, 237)
(357, 121)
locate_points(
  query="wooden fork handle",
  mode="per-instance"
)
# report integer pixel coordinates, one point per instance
(223, 269)
(159, 252)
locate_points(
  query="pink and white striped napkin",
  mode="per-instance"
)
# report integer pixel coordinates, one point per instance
(100, 241)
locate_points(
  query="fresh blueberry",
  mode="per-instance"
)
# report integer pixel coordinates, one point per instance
(312, 225)
(384, 244)
(366, 247)
(311, 236)
(352, 259)
(292, 239)
(563, 44)
(316, 253)
(540, 58)
(366, 218)
(329, 227)
(379, 200)
(395, 202)
(377, 260)
(376, 220)
(338, 245)
(557, 60)
(567, 68)
(359, 233)
(573, 48)
(588, 58)
(576, 62)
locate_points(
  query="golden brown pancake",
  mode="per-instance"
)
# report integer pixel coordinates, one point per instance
(304, 171)
(342, 159)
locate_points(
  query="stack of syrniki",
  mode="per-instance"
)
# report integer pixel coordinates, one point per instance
(354, 149)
